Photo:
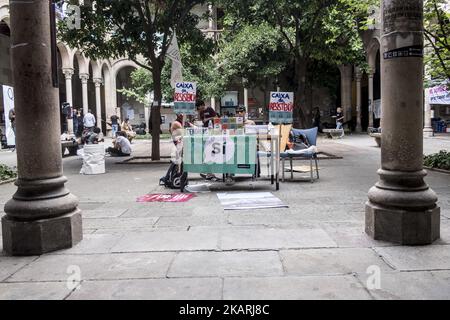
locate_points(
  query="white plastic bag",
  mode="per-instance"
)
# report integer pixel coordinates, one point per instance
(93, 159)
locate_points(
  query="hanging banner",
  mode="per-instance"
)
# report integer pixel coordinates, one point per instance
(281, 107)
(185, 97)
(8, 102)
(173, 53)
(439, 95)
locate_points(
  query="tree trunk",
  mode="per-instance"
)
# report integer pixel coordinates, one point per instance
(301, 67)
(155, 114)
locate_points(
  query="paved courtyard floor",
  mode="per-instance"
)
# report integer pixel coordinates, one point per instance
(315, 249)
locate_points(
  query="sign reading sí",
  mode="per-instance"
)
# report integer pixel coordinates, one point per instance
(184, 98)
(281, 107)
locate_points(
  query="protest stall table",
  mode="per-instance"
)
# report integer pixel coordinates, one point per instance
(230, 152)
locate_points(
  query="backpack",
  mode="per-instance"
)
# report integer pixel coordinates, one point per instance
(174, 178)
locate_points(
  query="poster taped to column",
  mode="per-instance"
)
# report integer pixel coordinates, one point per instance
(8, 102)
(281, 107)
(185, 97)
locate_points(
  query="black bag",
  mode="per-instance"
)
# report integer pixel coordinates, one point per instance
(174, 178)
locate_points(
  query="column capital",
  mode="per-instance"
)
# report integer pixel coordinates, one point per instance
(68, 73)
(370, 72)
(98, 81)
(84, 77)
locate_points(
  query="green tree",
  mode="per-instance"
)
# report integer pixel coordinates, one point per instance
(255, 53)
(313, 30)
(140, 30)
(199, 69)
(437, 35)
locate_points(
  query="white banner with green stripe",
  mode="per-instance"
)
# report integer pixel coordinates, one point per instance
(219, 154)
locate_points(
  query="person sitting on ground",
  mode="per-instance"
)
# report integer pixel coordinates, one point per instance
(122, 146)
(128, 129)
(95, 137)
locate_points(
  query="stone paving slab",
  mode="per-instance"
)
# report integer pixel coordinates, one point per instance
(168, 241)
(351, 234)
(9, 265)
(119, 223)
(99, 213)
(93, 243)
(204, 220)
(226, 264)
(34, 291)
(96, 267)
(152, 289)
(330, 261)
(122, 232)
(274, 239)
(420, 285)
(294, 288)
(158, 210)
(435, 257)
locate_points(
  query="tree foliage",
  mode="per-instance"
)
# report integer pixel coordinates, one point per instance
(298, 32)
(140, 30)
(437, 35)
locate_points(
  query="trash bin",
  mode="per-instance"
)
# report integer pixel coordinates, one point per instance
(93, 159)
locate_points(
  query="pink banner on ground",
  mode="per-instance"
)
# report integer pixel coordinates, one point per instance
(170, 197)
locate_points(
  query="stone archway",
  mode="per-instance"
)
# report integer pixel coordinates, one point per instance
(129, 108)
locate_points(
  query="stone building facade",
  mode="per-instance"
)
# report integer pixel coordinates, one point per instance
(92, 84)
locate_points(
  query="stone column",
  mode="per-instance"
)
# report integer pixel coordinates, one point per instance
(401, 207)
(370, 75)
(42, 215)
(68, 73)
(246, 99)
(84, 85)
(358, 77)
(213, 103)
(98, 101)
(346, 91)
(428, 129)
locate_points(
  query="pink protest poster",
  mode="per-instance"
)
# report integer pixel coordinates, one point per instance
(170, 197)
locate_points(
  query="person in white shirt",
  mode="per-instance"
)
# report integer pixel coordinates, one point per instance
(122, 146)
(89, 121)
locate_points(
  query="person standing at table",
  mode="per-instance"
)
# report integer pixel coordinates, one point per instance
(206, 114)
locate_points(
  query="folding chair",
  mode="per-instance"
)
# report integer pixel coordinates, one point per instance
(311, 135)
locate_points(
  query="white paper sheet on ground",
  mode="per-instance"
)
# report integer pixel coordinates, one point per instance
(251, 200)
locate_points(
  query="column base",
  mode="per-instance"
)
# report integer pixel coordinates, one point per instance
(428, 132)
(402, 226)
(25, 238)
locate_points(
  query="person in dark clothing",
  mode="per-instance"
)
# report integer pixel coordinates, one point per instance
(316, 118)
(114, 124)
(205, 114)
(80, 124)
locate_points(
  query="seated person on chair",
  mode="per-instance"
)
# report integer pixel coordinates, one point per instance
(122, 146)
(297, 142)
